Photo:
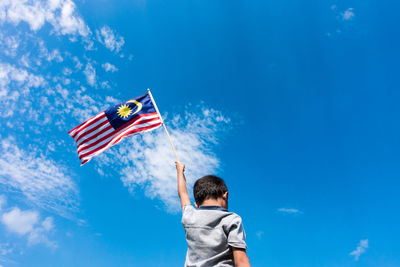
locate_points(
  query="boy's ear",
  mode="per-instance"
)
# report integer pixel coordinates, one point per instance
(225, 195)
(196, 205)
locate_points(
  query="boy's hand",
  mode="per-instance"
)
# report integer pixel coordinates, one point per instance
(180, 167)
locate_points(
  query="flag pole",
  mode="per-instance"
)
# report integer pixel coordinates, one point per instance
(163, 124)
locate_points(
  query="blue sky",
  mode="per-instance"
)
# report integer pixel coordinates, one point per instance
(294, 104)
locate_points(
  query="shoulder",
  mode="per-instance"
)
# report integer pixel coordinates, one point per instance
(188, 209)
(233, 218)
(187, 213)
(233, 223)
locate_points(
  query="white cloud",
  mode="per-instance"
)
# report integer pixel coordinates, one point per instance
(147, 160)
(65, 20)
(9, 73)
(60, 14)
(67, 71)
(12, 76)
(51, 146)
(16, 11)
(66, 81)
(24, 61)
(41, 180)
(109, 67)
(62, 92)
(361, 248)
(40, 232)
(109, 39)
(112, 100)
(49, 56)
(90, 74)
(348, 14)
(10, 44)
(78, 64)
(105, 85)
(18, 88)
(82, 106)
(48, 224)
(289, 210)
(27, 222)
(20, 222)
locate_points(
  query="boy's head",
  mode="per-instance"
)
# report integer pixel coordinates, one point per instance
(210, 187)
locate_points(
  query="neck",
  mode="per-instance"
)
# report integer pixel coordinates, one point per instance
(214, 202)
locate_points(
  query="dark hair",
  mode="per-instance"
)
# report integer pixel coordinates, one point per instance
(209, 186)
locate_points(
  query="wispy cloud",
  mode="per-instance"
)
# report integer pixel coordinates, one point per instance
(260, 234)
(78, 64)
(18, 85)
(289, 211)
(36, 92)
(147, 160)
(90, 74)
(49, 56)
(6, 249)
(112, 100)
(109, 39)
(32, 76)
(348, 14)
(43, 182)
(10, 73)
(10, 44)
(344, 18)
(67, 71)
(19, 77)
(109, 67)
(360, 249)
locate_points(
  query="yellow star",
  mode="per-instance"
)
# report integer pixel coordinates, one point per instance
(124, 111)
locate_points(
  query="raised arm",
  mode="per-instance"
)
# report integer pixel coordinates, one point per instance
(182, 191)
(240, 257)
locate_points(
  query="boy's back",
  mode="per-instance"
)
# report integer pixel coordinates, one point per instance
(211, 231)
(215, 236)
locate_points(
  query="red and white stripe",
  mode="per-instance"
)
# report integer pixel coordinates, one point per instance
(97, 135)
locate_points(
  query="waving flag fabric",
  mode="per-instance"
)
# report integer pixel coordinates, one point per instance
(109, 127)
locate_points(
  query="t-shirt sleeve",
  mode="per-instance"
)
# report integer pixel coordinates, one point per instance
(187, 213)
(236, 234)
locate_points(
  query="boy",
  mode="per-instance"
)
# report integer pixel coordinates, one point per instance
(215, 237)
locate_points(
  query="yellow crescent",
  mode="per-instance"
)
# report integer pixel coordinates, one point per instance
(138, 104)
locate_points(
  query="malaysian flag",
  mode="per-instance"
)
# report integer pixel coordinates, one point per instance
(109, 127)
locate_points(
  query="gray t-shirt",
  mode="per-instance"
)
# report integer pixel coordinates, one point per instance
(210, 232)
